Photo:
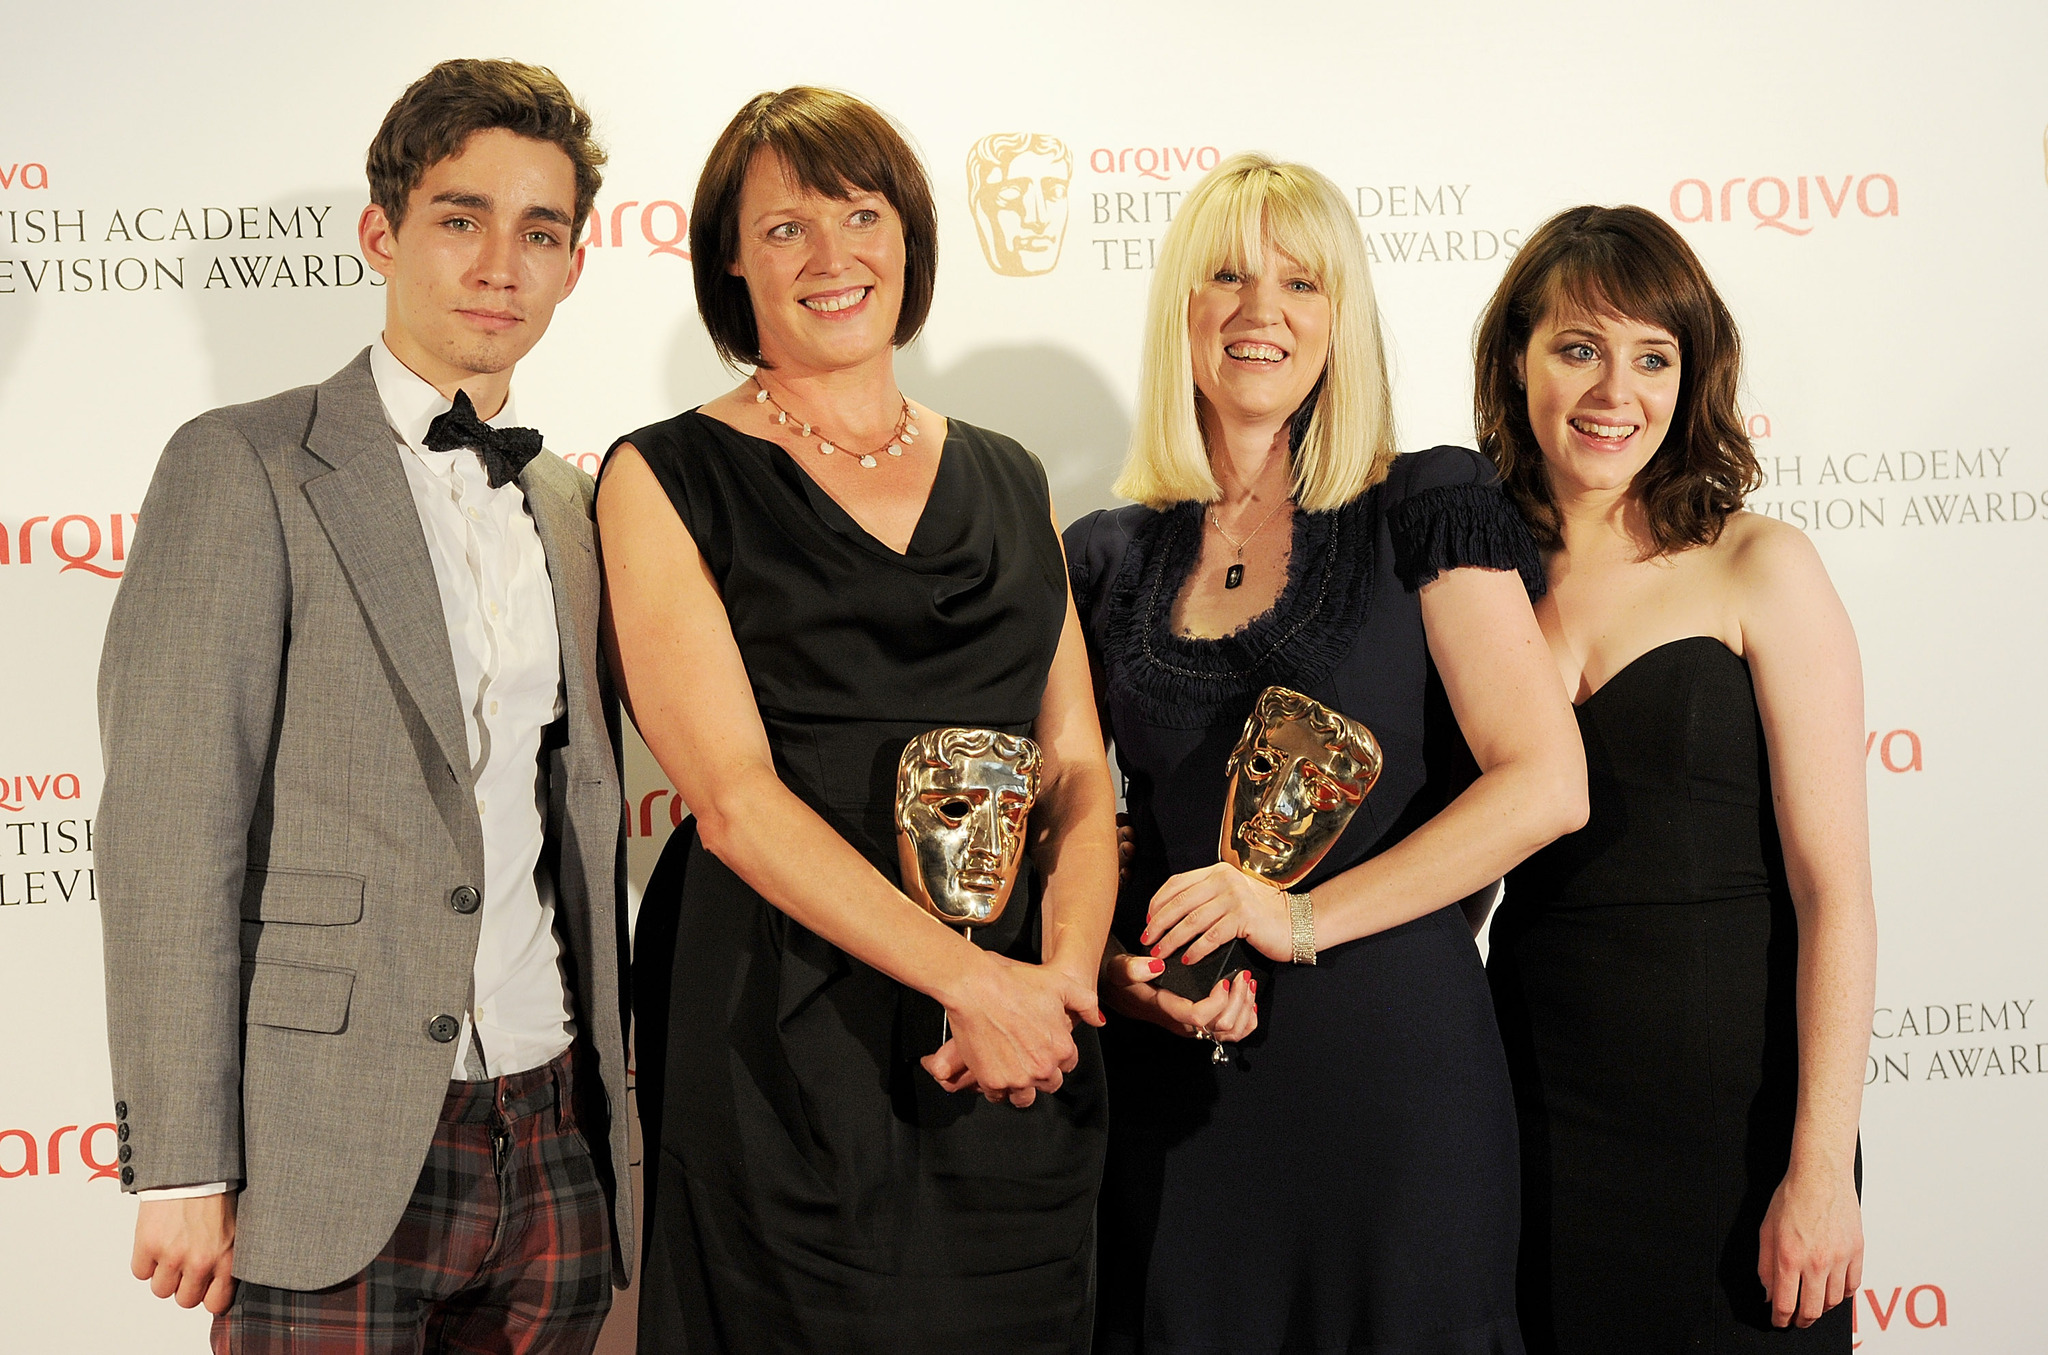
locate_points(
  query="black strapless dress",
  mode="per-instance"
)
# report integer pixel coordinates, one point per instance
(1643, 969)
(810, 1188)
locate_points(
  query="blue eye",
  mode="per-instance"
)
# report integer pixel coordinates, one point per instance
(1656, 362)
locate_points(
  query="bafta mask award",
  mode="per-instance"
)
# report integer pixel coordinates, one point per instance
(1298, 773)
(962, 799)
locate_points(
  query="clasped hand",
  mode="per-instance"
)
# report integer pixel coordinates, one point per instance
(1202, 910)
(1013, 1031)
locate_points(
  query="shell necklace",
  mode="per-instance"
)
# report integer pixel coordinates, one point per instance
(905, 434)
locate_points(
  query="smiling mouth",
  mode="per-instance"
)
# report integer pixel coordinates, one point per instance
(1604, 432)
(834, 302)
(1256, 352)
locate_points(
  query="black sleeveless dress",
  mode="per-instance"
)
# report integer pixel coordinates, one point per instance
(1347, 1182)
(811, 1188)
(1643, 970)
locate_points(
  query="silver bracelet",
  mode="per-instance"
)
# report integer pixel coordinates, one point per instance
(1301, 908)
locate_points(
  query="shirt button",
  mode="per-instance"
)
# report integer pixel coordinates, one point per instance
(494, 608)
(443, 1028)
(494, 708)
(473, 513)
(479, 804)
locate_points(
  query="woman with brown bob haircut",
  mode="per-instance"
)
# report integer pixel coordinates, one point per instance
(866, 1131)
(1685, 984)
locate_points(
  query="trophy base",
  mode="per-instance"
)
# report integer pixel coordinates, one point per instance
(1196, 981)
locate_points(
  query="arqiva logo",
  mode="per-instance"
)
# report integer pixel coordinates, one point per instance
(95, 545)
(1920, 1307)
(45, 1156)
(1897, 749)
(1771, 200)
(664, 227)
(18, 792)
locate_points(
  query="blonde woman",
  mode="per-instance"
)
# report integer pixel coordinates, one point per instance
(1344, 1179)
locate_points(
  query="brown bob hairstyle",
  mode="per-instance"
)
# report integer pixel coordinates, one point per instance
(440, 111)
(1620, 261)
(833, 145)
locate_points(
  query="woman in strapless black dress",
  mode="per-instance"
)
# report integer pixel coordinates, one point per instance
(1685, 984)
(823, 1173)
(1345, 1180)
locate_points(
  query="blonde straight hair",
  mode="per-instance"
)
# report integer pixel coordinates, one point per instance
(1226, 222)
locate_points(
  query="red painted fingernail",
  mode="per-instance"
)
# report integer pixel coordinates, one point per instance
(1158, 966)
(1253, 982)
(1155, 950)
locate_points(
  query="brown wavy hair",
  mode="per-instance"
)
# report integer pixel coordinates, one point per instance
(1620, 261)
(833, 144)
(440, 111)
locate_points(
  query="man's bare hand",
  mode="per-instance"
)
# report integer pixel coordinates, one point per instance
(186, 1250)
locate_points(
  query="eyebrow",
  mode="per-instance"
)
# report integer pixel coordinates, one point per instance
(481, 202)
(1594, 334)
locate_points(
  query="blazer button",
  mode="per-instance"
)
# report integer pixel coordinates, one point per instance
(444, 1029)
(127, 1176)
(120, 1110)
(465, 899)
(121, 1132)
(127, 1151)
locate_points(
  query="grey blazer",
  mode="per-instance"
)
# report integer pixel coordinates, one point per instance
(288, 811)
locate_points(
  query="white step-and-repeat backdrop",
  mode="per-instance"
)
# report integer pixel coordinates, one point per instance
(1867, 183)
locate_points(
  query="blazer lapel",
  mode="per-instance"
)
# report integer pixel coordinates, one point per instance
(366, 507)
(565, 534)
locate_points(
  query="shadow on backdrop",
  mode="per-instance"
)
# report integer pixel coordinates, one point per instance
(291, 306)
(1045, 397)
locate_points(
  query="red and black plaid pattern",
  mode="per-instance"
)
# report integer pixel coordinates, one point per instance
(504, 1249)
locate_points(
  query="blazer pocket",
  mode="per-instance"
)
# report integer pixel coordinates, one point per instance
(318, 898)
(296, 996)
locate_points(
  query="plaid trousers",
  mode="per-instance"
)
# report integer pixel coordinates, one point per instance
(504, 1248)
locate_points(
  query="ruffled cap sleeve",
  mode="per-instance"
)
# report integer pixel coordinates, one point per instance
(1446, 511)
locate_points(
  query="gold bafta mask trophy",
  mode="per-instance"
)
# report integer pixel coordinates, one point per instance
(963, 798)
(1017, 186)
(1298, 773)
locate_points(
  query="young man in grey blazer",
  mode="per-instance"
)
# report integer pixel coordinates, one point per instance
(363, 989)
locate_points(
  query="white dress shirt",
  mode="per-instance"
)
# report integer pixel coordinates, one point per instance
(500, 610)
(499, 605)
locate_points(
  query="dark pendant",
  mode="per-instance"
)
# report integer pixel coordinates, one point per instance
(1233, 576)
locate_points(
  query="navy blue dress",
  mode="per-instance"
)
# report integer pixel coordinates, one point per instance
(1348, 1181)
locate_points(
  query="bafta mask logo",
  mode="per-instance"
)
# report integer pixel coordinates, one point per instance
(963, 797)
(1017, 190)
(1298, 773)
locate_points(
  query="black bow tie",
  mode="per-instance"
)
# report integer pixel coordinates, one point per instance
(504, 451)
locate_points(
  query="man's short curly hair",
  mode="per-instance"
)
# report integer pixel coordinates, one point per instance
(440, 111)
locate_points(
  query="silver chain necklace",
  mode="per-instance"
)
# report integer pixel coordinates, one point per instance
(1234, 575)
(905, 434)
